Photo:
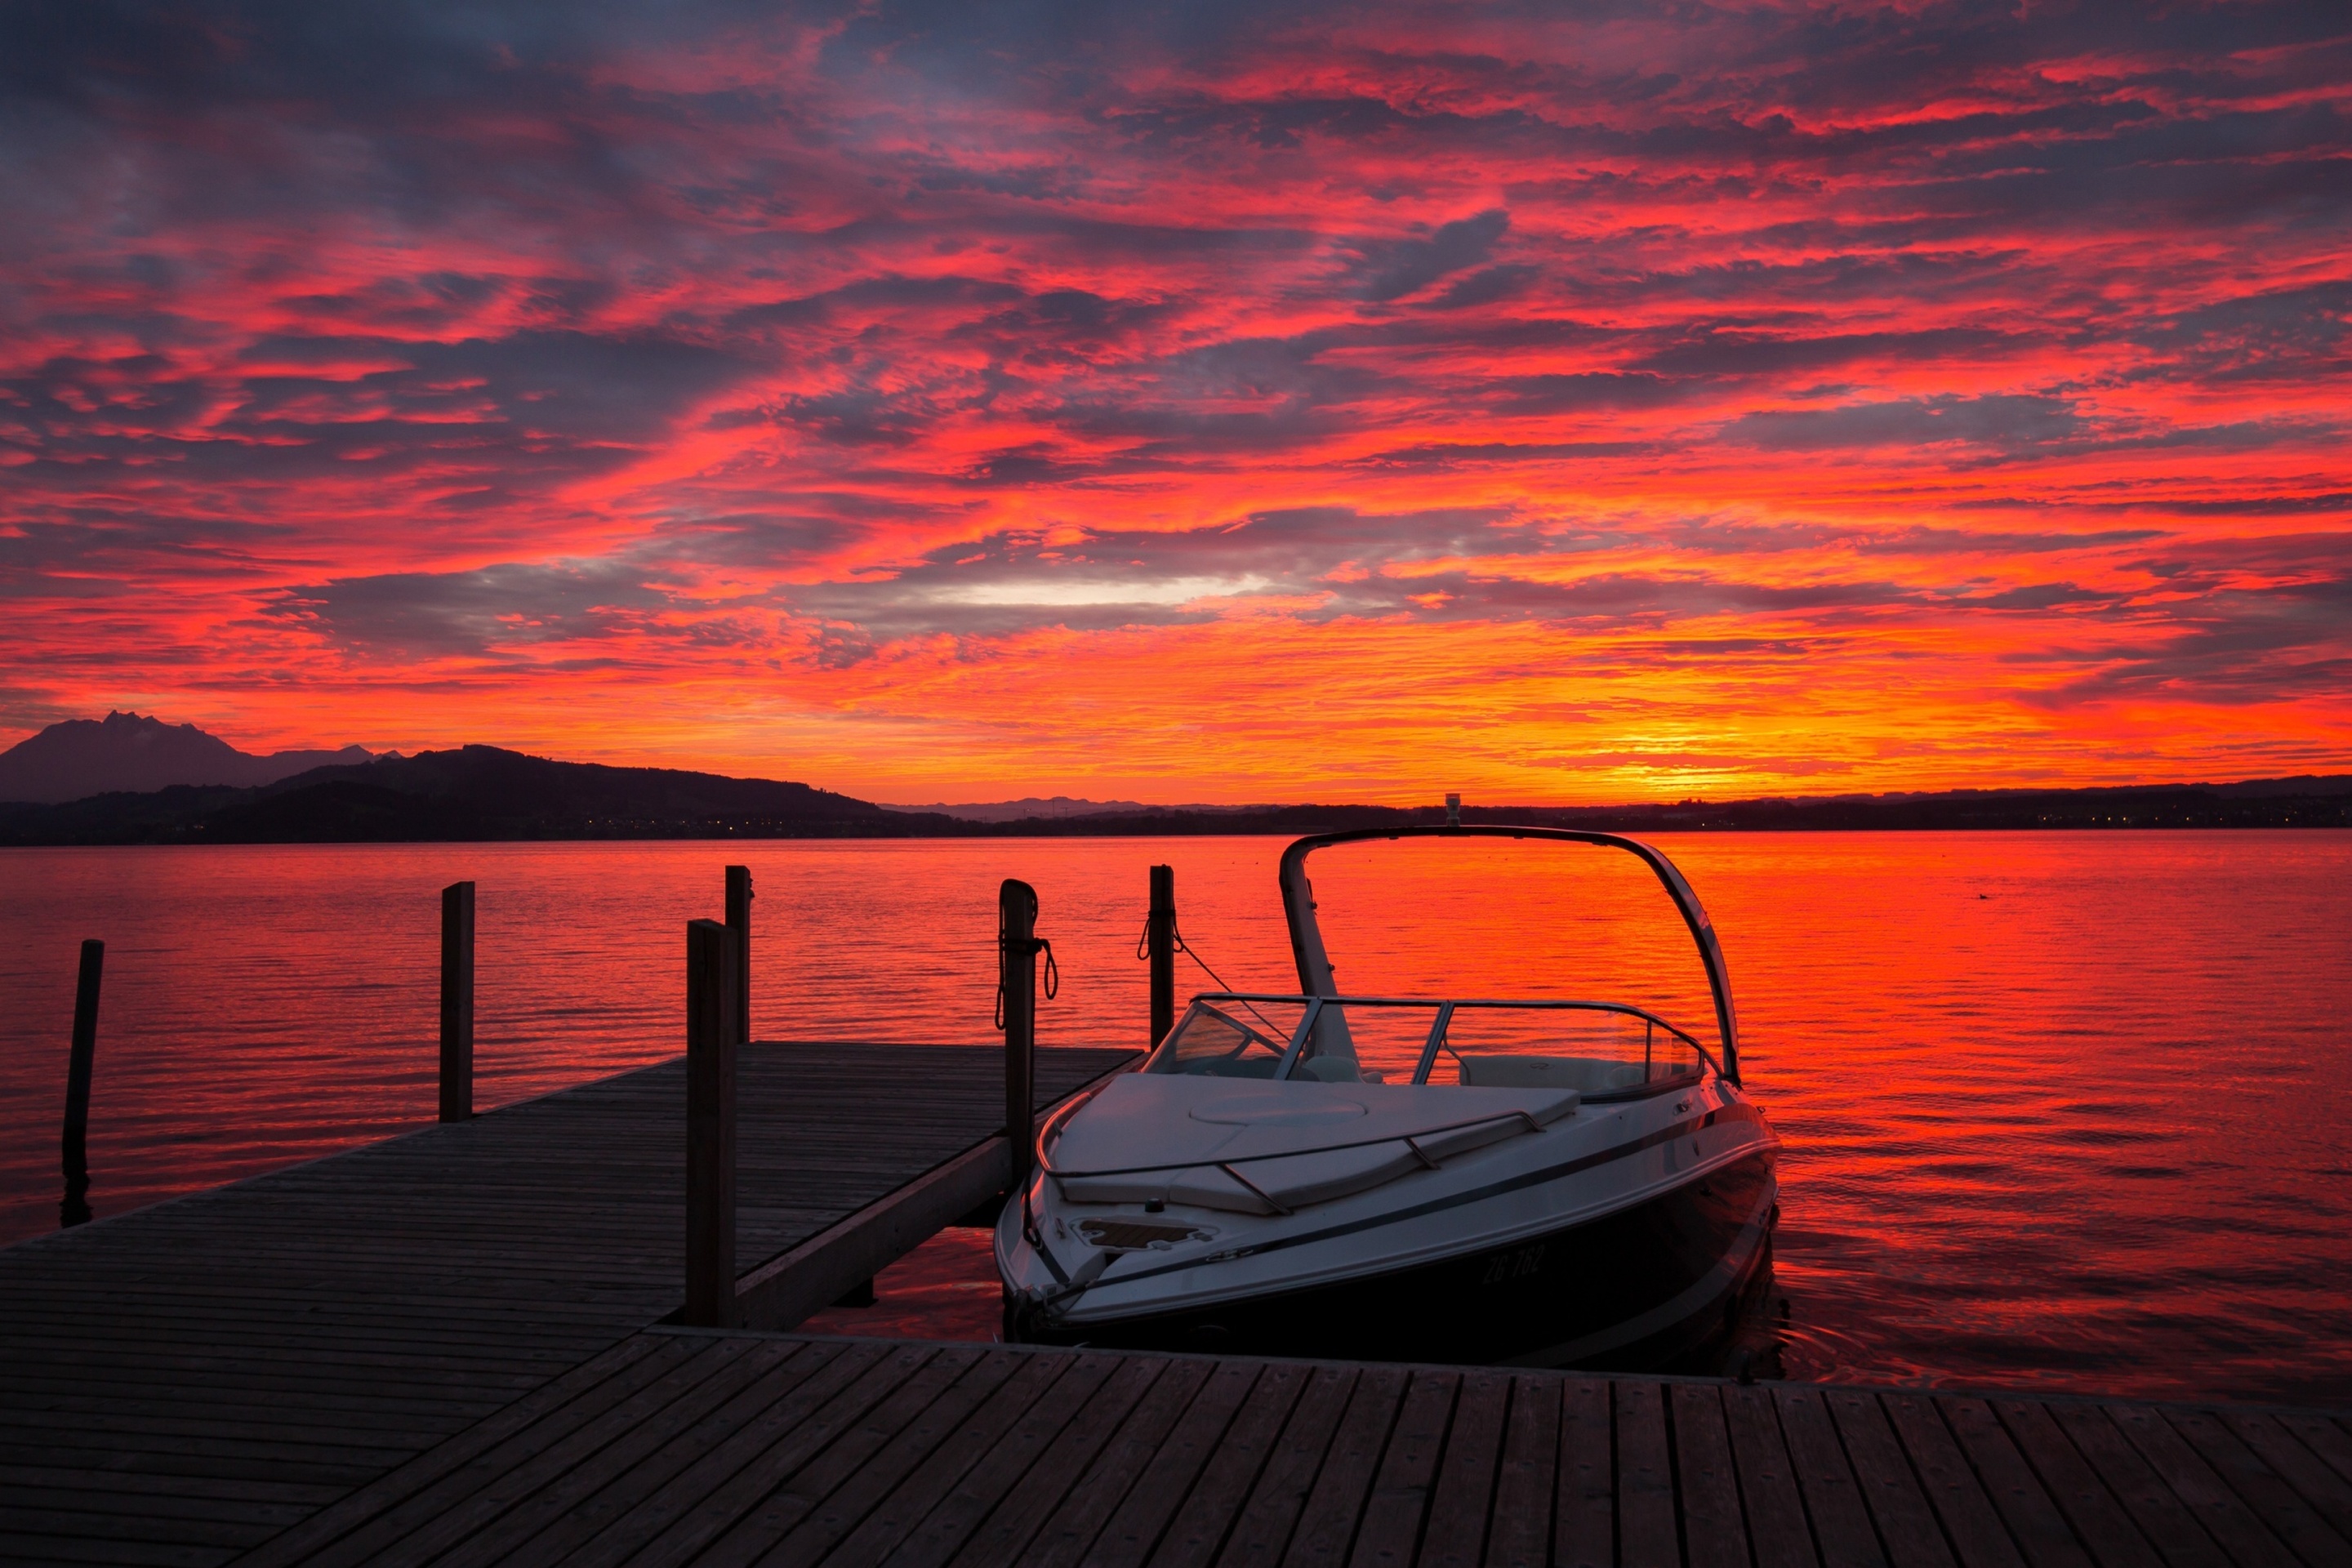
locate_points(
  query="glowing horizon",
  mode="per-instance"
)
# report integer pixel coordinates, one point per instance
(1226, 406)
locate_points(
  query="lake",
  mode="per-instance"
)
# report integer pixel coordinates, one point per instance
(2060, 1110)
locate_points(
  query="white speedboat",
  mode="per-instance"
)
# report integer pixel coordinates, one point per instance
(1546, 1183)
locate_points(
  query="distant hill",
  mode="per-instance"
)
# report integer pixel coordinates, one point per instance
(1053, 807)
(2310, 801)
(482, 792)
(477, 793)
(128, 751)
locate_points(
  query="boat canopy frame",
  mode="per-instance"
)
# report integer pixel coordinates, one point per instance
(1315, 963)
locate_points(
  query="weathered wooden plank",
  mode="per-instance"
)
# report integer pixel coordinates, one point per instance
(2327, 1439)
(1767, 1482)
(896, 1512)
(1529, 1477)
(1584, 1526)
(518, 1469)
(1645, 1476)
(2312, 1479)
(1326, 1526)
(924, 1401)
(1972, 1523)
(2209, 1499)
(750, 1467)
(655, 1492)
(1009, 1457)
(1841, 1527)
(1715, 1534)
(229, 1503)
(1200, 1527)
(1464, 1496)
(344, 1320)
(2161, 1515)
(1389, 1532)
(578, 1505)
(134, 1529)
(1906, 1525)
(2273, 1498)
(1262, 1534)
(367, 1502)
(16, 1547)
(1126, 1495)
(2099, 1522)
(130, 1532)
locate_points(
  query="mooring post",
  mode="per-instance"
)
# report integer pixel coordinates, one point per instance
(75, 1208)
(1016, 981)
(458, 1002)
(1160, 935)
(711, 1036)
(739, 921)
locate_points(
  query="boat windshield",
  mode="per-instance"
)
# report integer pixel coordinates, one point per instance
(1602, 1050)
(1231, 1036)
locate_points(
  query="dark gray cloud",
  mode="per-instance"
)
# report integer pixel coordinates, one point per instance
(2007, 421)
(1391, 269)
(436, 614)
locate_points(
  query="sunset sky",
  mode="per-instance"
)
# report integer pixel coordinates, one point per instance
(1194, 401)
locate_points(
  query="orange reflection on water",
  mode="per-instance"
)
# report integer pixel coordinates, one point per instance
(2059, 1110)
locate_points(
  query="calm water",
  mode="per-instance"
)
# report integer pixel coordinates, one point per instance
(2061, 1110)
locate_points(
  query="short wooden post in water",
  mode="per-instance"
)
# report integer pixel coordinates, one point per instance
(739, 921)
(1160, 937)
(458, 1002)
(712, 1034)
(75, 1208)
(1016, 960)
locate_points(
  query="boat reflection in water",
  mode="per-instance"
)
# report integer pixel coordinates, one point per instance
(1531, 1180)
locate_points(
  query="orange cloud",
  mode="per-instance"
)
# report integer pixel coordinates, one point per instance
(1281, 404)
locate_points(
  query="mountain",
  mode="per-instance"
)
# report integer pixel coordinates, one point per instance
(474, 793)
(128, 751)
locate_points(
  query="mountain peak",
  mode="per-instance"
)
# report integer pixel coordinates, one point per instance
(128, 751)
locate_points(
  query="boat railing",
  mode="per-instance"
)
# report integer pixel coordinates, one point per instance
(1436, 1041)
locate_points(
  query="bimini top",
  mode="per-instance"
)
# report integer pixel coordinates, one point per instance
(1315, 963)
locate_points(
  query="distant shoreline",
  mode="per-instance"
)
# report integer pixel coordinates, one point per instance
(485, 795)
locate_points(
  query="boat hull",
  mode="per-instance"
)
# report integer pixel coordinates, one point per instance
(1638, 1288)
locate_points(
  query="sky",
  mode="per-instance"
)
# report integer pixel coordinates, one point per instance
(1217, 401)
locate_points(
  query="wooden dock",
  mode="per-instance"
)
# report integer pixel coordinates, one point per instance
(450, 1348)
(185, 1382)
(714, 1448)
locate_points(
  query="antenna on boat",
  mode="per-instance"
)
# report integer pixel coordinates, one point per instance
(1453, 810)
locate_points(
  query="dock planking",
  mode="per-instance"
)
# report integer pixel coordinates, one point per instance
(180, 1383)
(449, 1349)
(868, 1452)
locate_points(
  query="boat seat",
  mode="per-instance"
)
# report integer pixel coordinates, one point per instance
(1589, 1075)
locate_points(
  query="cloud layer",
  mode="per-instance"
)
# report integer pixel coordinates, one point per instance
(1238, 401)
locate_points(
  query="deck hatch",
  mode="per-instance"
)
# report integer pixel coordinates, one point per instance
(1137, 1235)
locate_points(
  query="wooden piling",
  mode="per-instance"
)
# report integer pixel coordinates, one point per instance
(74, 1207)
(1160, 937)
(1016, 958)
(458, 1002)
(739, 921)
(712, 1034)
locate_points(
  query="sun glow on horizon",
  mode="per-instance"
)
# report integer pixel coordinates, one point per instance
(1287, 405)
